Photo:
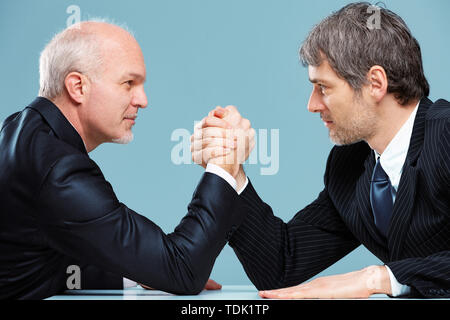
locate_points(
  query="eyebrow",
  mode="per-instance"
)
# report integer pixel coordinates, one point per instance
(135, 75)
(315, 80)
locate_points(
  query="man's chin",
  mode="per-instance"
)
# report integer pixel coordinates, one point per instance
(344, 140)
(124, 139)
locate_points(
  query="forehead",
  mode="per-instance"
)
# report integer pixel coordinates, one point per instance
(322, 73)
(123, 56)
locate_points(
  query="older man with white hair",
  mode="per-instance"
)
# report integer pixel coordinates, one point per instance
(56, 208)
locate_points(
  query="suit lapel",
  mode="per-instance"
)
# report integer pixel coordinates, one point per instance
(406, 193)
(363, 200)
(401, 214)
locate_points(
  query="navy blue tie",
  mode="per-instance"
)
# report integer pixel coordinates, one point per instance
(381, 198)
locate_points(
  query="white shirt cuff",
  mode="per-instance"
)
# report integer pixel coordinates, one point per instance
(127, 283)
(397, 288)
(212, 168)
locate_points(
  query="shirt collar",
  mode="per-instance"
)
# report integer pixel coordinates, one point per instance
(393, 157)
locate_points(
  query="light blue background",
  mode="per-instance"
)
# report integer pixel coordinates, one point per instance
(203, 53)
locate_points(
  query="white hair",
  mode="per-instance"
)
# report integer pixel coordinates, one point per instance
(71, 50)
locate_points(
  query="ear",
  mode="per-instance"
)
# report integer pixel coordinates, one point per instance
(378, 82)
(76, 86)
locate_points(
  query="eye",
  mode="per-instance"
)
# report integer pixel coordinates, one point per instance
(322, 88)
(128, 83)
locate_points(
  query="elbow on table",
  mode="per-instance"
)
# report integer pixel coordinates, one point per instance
(187, 290)
(185, 287)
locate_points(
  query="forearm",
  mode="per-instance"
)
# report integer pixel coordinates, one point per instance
(181, 262)
(238, 183)
(88, 223)
(277, 254)
(251, 243)
(203, 232)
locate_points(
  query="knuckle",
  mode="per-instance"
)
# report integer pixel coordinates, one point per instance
(208, 121)
(231, 108)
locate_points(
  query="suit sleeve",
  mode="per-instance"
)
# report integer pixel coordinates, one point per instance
(82, 218)
(430, 276)
(275, 254)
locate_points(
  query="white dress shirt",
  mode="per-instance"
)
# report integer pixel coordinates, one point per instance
(391, 160)
(212, 168)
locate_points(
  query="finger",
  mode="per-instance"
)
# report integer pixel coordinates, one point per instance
(283, 290)
(246, 124)
(211, 113)
(212, 285)
(231, 108)
(146, 287)
(215, 122)
(214, 152)
(252, 144)
(220, 112)
(268, 294)
(204, 155)
(252, 133)
(276, 294)
(199, 144)
(212, 132)
(199, 124)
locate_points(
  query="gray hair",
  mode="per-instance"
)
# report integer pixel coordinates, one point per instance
(71, 50)
(346, 40)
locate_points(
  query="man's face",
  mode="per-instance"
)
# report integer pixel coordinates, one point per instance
(347, 115)
(117, 93)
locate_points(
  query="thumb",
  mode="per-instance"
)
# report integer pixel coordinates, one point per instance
(220, 112)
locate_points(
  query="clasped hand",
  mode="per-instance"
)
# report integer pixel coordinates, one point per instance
(223, 138)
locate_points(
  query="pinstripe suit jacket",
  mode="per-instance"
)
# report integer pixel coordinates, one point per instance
(417, 250)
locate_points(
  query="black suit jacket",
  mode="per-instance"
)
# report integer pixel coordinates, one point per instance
(417, 250)
(57, 209)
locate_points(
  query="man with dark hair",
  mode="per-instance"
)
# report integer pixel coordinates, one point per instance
(387, 180)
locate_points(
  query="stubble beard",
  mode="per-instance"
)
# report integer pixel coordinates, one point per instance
(125, 139)
(359, 127)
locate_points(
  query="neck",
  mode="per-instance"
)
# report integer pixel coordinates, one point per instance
(391, 117)
(70, 111)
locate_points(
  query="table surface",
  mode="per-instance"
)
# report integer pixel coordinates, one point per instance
(228, 292)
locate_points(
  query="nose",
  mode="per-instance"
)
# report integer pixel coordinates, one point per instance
(139, 98)
(315, 103)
